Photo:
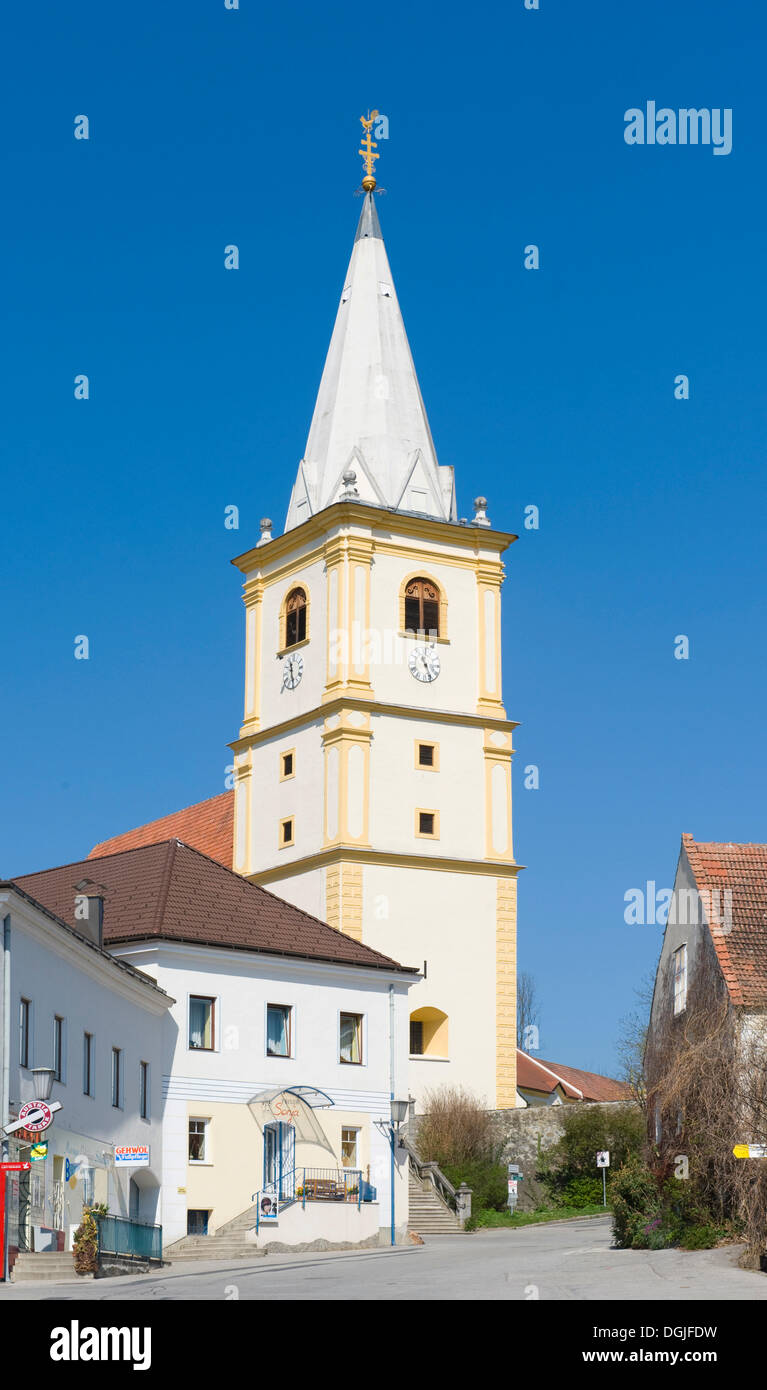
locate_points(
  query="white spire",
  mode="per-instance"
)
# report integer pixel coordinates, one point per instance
(369, 415)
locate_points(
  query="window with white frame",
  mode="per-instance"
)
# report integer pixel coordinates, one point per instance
(349, 1147)
(279, 1030)
(198, 1141)
(25, 1042)
(117, 1080)
(58, 1048)
(680, 979)
(201, 1023)
(350, 1048)
(88, 1078)
(143, 1090)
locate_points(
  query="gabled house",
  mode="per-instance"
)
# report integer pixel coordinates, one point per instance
(286, 1042)
(551, 1083)
(713, 962)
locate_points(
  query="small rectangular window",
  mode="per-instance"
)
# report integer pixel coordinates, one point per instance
(25, 1014)
(198, 1141)
(416, 1038)
(117, 1098)
(143, 1090)
(278, 1040)
(87, 1064)
(58, 1047)
(680, 979)
(288, 765)
(351, 1038)
(201, 1023)
(197, 1222)
(427, 824)
(427, 755)
(287, 832)
(349, 1154)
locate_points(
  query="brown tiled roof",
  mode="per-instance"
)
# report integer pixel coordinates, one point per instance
(171, 892)
(741, 950)
(533, 1074)
(208, 826)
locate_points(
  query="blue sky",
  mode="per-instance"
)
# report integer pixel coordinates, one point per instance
(554, 387)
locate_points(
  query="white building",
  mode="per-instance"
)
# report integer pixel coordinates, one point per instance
(97, 1023)
(281, 1051)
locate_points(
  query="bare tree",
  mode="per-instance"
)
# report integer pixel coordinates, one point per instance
(706, 1073)
(528, 1012)
(632, 1039)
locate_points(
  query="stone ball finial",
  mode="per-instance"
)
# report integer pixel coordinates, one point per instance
(480, 517)
(266, 530)
(349, 492)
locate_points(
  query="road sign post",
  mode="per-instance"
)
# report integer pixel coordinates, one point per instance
(603, 1162)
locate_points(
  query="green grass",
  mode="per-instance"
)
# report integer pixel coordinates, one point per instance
(532, 1218)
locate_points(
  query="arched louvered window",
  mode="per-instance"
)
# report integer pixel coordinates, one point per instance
(422, 607)
(295, 617)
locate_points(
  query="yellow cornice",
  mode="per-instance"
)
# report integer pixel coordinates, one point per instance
(431, 862)
(467, 538)
(342, 702)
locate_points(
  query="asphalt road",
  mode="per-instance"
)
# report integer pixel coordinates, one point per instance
(567, 1261)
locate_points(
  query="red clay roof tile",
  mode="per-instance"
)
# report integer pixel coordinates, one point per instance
(740, 934)
(207, 826)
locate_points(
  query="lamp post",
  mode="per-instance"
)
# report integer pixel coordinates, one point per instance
(399, 1109)
(44, 1079)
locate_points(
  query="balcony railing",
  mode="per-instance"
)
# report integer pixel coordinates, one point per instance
(315, 1185)
(130, 1239)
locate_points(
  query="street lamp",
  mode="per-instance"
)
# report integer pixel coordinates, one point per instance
(399, 1109)
(44, 1079)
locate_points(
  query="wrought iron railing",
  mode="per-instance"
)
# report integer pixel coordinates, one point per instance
(313, 1185)
(132, 1239)
(429, 1172)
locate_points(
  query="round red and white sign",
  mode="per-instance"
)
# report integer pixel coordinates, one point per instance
(36, 1115)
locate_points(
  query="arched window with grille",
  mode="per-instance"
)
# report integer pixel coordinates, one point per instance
(295, 617)
(422, 606)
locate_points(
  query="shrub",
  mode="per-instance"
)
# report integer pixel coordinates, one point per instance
(702, 1237)
(637, 1206)
(456, 1128)
(487, 1180)
(86, 1243)
(581, 1192)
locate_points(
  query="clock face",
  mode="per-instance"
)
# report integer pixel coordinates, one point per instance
(424, 663)
(292, 671)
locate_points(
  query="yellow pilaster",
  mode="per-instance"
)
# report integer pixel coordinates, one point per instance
(506, 994)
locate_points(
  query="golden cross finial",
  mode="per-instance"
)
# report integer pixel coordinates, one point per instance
(368, 146)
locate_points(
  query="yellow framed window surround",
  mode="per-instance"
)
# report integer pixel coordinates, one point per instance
(294, 618)
(287, 832)
(426, 755)
(287, 764)
(426, 824)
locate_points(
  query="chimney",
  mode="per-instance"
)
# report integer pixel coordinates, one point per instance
(89, 910)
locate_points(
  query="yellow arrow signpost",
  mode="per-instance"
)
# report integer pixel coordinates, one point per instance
(750, 1151)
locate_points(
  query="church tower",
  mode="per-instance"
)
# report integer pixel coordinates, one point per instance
(373, 766)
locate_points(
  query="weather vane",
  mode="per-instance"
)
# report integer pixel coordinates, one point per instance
(369, 147)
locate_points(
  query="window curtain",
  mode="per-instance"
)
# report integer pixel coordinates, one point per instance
(199, 1023)
(277, 1032)
(350, 1038)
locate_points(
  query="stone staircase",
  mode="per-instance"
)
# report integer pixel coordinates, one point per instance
(227, 1243)
(429, 1215)
(49, 1265)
